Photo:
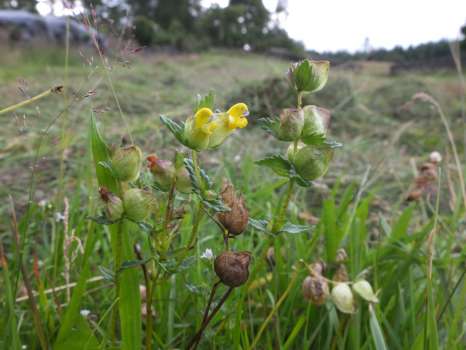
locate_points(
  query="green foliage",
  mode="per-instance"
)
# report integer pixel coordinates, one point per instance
(144, 31)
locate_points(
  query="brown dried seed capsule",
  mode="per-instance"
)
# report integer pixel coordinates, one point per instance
(341, 256)
(235, 220)
(341, 275)
(315, 289)
(232, 267)
(317, 268)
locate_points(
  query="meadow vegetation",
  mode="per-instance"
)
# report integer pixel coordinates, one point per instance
(110, 278)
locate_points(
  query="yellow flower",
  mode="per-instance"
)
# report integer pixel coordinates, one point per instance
(234, 118)
(199, 128)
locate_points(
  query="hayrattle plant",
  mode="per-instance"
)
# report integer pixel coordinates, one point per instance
(150, 195)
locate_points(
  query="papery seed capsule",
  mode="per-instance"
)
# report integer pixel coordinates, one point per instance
(341, 257)
(341, 275)
(138, 204)
(113, 204)
(126, 163)
(291, 124)
(315, 289)
(364, 290)
(235, 220)
(316, 121)
(310, 162)
(232, 267)
(317, 268)
(343, 298)
(309, 75)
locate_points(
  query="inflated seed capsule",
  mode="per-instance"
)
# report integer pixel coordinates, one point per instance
(113, 204)
(138, 204)
(315, 289)
(343, 298)
(341, 274)
(308, 75)
(126, 163)
(311, 162)
(364, 290)
(236, 219)
(232, 267)
(291, 124)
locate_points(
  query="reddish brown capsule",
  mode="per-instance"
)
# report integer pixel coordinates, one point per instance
(315, 289)
(235, 220)
(232, 267)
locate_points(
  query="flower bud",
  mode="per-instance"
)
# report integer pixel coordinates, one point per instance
(316, 121)
(126, 163)
(138, 204)
(232, 267)
(341, 275)
(291, 124)
(162, 170)
(364, 290)
(235, 220)
(343, 298)
(310, 162)
(308, 75)
(113, 204)
(315, 289)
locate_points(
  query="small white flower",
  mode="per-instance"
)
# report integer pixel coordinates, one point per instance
(59, 217)
(24, 347)
(85, 312)
(42, 203)
(435, 157)
(208, 254)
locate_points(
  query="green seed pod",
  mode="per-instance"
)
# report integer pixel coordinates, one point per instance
(291, 124)
(308, 75)
(315, 289)
(232, 267)
(364, 290)
(343, 298)
(113, 204)
(310, 162)
(126, 163)
(138, 204)
(316, 121)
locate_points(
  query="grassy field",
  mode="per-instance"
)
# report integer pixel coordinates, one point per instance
(412, 254)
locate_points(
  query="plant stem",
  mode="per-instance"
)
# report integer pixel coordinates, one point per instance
(116, 267)
(197, 338)
(56, 89)
(274, 310)
(280, 215)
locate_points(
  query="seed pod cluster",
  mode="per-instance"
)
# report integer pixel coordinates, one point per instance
(233, 267)
(236, 219)
(315, 286)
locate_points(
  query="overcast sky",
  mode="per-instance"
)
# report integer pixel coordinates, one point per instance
(344, 24)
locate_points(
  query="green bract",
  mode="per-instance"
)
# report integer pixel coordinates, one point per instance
(309, 76)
